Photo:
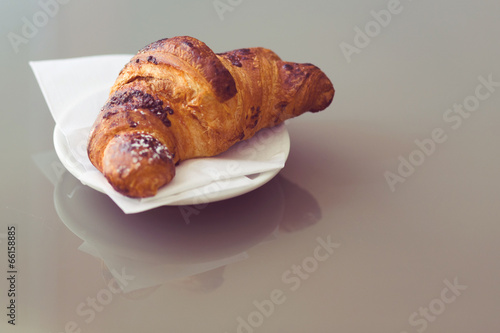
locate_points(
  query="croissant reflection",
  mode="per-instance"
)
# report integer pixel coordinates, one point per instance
(186, 245)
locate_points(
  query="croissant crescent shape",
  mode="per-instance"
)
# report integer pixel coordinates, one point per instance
(176, 99)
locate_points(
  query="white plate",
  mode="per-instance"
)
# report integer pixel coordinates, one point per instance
(214, 191)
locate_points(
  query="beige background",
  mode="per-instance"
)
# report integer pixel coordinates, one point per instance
(420, 255)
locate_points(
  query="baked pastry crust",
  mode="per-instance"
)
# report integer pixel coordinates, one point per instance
(176, 100)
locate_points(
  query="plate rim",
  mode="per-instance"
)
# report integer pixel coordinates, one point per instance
(62, 149)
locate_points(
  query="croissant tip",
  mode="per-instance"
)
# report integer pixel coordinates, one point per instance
(325, 94)
(137, 165)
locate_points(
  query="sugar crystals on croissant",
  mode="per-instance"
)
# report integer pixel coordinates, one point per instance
(176, 99)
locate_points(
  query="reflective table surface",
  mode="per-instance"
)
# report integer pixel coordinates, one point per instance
(385, 218)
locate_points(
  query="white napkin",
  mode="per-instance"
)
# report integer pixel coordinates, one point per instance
(76, 89)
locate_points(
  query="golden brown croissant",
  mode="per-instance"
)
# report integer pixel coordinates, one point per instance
(176, 99)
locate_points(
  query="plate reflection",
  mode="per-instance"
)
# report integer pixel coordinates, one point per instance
(185, 245)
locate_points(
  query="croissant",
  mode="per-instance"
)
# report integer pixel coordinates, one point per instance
(176, 100)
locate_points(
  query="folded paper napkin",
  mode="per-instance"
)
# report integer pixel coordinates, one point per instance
(75, 91)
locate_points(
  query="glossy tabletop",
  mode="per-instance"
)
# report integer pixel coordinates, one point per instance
(385, 218)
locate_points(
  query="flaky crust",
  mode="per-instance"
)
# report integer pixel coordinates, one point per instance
(176, 99)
